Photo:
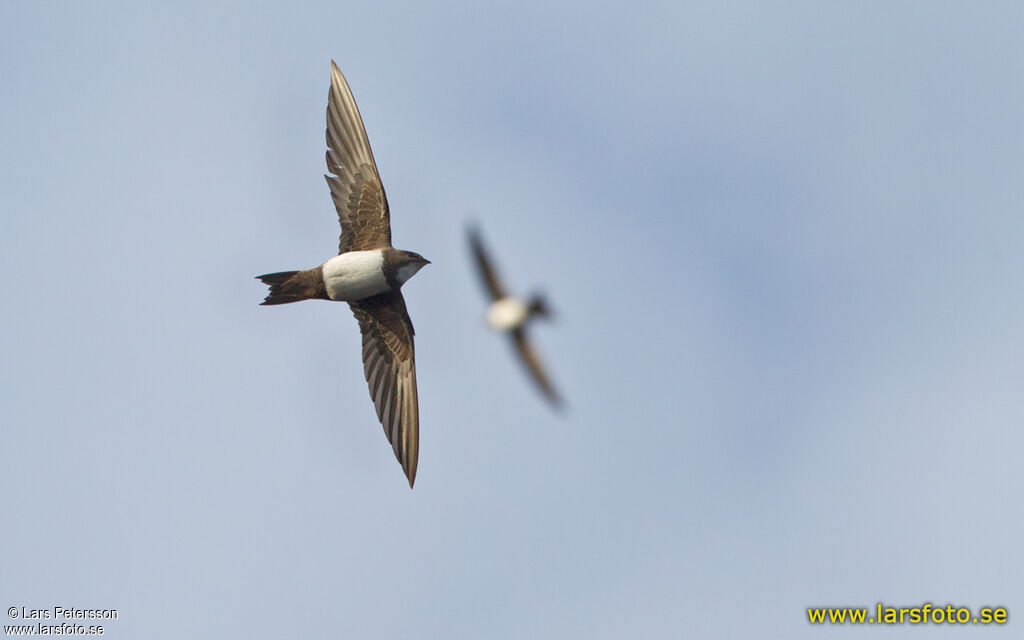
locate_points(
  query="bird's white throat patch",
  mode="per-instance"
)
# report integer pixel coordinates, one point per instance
(355, 275)
(407, 271)
(507, 313)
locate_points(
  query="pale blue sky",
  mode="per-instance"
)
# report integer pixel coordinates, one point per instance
(783, 243)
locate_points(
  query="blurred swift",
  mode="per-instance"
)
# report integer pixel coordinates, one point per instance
(511, 315)
(368, 274)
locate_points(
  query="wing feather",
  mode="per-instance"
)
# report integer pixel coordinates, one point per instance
(485, 266)
(390, 366)
(529, 357)
(352, 177)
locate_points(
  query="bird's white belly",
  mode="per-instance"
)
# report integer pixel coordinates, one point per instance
(507, 313)
(355, 275)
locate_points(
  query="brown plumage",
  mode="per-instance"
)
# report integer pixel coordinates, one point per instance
(388, 349)
(390, 370)
(484, 267)
(356, 187)
(292, 286)
(535, 307)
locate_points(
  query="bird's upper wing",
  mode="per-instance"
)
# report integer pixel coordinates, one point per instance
(356, 188)
(532, 362)
(485, 267)
(390, 367)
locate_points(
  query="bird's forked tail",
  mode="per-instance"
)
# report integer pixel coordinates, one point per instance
(290, 286)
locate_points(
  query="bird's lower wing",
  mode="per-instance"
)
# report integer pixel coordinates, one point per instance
(390, 367)
(529, 357)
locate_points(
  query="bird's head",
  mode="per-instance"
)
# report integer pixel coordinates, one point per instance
(409, 263)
